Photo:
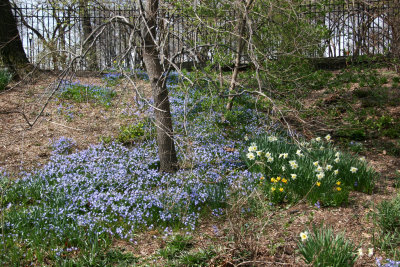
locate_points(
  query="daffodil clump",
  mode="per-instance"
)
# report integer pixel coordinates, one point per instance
(321, 247)
(314, 169)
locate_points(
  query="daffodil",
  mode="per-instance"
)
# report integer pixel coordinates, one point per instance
(338, 182)
(318, 139)
(259, 153)
(284, 180)
(273, 180)
(268, 154)
(270, 159)
(281, 189)
(336, 172)
(353, 169)
(337, 154)
(278, 178)
(316, 163)
(328, 137)
(250, 156)
(284, 155)
(319, 169)
(252, 148)
(273, 189)
(338, 188)
(294, 176)
(283, 168)
(337, 160)
(318, 183)
(320, 175)
(360, 252)
(293, 164)
(304, 236)
(298, 153)
(362, 159)
(262, 178)
(370, 252)
(272, 138)
(328, 167)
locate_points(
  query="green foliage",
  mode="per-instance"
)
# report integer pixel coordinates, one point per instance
(129, 134)
(387, 219)
(85, 93)
(314, 170)
(323, 248)
(5, 78)
(176, 246)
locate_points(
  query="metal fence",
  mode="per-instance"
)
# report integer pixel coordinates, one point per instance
(52, 36)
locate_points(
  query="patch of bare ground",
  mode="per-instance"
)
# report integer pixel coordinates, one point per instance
(23, 147)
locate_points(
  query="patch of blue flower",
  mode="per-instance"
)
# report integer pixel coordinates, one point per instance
(112, 190)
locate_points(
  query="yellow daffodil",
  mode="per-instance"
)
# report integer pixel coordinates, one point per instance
(273, 180)
(338, 188)
(338, 182)
(281, 189)
(318, 184)
(284, 180)
(272, 189)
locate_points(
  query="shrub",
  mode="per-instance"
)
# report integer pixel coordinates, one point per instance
(314, 170)
(5, 78)
(322, 248)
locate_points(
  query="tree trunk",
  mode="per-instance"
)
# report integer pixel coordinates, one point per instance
(87, 30)
(165, 141)
(12, 53)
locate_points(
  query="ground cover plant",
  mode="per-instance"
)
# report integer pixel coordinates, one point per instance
(83, 93)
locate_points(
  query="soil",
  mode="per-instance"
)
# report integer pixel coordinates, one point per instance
(23, 148)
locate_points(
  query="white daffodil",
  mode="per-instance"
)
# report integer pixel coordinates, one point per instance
(250, 156)
(259, 153)
(298, 153)
(293, 164)
(370, 252)
(328, 137)
(337, 160)
(294, 176)
(320, 175)
(328, 167)
(353, 169)
(316, 163)
(304, 236)
(336, 172)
